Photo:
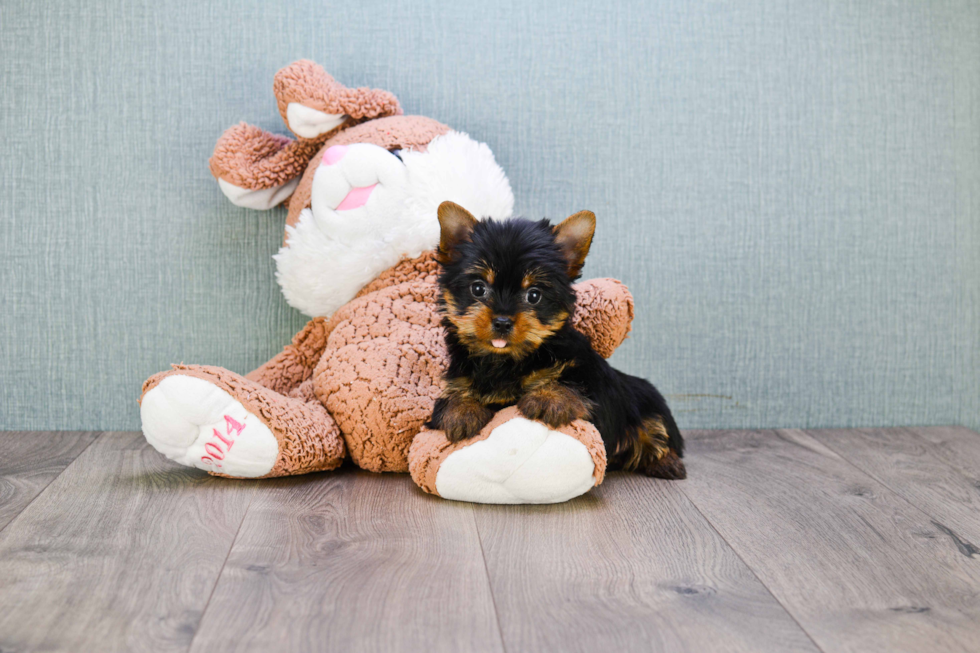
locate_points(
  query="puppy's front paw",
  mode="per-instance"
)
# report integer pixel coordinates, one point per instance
(464, 419)
(555, 405)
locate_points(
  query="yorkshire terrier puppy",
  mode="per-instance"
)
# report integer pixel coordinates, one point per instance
(506, 300)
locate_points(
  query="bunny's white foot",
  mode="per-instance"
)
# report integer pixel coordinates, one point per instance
(512, 460)
(195, 423)
(221, 422)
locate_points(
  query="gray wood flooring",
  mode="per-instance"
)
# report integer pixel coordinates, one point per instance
(827, 540)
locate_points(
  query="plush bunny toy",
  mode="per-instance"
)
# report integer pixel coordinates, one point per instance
(363, 184)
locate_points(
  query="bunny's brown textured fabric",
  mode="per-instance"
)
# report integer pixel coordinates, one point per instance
(431, 448)
(308, 437)
(362, 381)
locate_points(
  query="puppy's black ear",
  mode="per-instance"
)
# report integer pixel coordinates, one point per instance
(574, 236)
(455, 224)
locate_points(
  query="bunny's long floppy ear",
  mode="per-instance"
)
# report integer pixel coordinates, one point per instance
(259, 170)
(313, 104)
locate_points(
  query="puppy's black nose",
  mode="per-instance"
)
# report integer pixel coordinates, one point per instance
(502, 324)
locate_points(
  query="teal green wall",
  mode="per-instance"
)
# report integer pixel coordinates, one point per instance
(791, 190)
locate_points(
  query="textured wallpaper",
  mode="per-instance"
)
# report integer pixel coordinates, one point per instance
(791, 190)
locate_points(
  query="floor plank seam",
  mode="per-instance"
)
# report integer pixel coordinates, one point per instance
(751, 570)
(49, 483)
(936, 521)
(486, 571)
(221, 571)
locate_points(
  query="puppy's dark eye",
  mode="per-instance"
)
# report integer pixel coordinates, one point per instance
(479, 289)
(533, 296)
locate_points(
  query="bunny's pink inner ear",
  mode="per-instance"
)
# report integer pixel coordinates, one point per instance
(574, 237)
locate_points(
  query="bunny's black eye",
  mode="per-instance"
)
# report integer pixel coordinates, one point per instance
(479, 289)
(533, 296)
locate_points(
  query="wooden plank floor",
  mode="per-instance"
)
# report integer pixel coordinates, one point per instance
(828, 540)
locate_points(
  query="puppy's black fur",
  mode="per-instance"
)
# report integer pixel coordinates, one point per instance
(507, 301)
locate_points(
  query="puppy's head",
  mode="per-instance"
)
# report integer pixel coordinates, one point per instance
(507, 286)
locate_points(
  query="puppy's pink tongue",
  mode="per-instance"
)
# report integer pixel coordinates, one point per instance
(499, 344)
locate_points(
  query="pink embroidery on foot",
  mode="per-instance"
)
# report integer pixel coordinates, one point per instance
(233, 428)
